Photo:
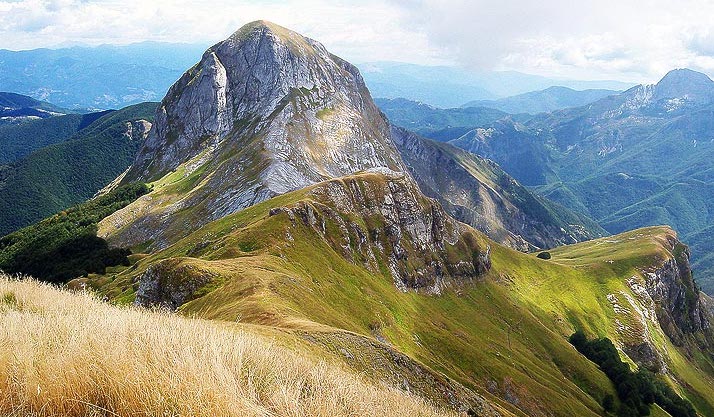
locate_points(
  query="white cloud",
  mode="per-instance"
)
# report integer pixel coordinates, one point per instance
(623, 39)
(361, 31)
(619, 39)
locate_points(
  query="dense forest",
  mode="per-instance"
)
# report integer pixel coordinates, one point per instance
(66, 245)
(636, 390)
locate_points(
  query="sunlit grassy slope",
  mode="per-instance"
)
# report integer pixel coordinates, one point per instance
(69, 354)
(504, 336)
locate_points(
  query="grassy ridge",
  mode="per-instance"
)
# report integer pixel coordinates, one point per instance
(505, 336)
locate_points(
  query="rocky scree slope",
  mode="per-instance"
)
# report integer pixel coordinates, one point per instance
(264, 112)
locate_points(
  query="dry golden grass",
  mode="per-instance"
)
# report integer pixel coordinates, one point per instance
(69, 354)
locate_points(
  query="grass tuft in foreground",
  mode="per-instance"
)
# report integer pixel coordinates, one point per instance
(70, 354)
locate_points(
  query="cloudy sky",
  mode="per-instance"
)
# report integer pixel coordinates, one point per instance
(604, 39)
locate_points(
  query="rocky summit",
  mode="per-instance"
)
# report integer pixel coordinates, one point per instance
(264, 112)
(268, 111)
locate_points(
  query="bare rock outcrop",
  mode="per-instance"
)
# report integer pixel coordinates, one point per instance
(422, 247)
(264, 112)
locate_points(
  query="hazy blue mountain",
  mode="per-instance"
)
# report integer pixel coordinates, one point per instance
(543, 101)
(112, 76)
(445, 86)
(439, 86)
(436, 122)
(639, 158)
(96, 77)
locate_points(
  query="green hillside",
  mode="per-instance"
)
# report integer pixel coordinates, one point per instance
(635, 159)
(66, 173)
(19, 140)
(503, 335)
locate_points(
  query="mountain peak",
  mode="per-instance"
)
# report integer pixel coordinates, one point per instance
(684, 74)
(272, 33)
(684, 82)
(264, 112)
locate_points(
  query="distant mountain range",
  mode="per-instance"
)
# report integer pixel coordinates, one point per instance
(102, 77)
(447, 87)
(435, 122)
(444, 124)
(111, 77)
(543, 101)
(638, 158)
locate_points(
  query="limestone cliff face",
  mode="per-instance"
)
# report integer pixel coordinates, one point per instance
(264, 112)
(422, 247)
(311, 108)
(679, 307)
(667, 297)
(170, 283)
(476, 191)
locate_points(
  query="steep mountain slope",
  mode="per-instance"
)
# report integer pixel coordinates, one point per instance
(639, 158)
(265, 112)
(514, 147)
(543, 101)
(446, 86)
(501, 332)
(57, 176)
(477, 192)
(249, 140)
